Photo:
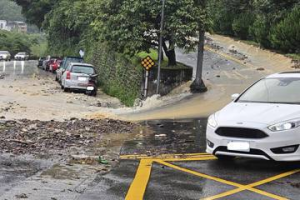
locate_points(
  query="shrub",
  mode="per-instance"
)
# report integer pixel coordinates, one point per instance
(241, 24)
(286, 34)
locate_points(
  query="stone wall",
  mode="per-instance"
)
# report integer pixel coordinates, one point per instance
(170, 79)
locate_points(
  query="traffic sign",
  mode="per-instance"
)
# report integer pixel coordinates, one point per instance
(148, 63)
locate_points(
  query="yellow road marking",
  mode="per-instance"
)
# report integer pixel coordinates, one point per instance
(138, 186)
(251, 187)
(239, 188)
(163, 156)
(140, 182)
(189, 159)
(198, 174)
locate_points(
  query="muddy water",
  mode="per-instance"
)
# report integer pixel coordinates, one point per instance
(170, 136)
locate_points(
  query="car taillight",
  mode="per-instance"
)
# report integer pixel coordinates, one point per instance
(68, 75)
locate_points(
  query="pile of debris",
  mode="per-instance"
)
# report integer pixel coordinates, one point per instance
(37, 137)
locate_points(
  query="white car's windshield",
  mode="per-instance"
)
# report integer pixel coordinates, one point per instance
(274, 90)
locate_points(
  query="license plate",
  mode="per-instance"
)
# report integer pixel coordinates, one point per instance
(90, 88)
(238, 146)
(82, 78)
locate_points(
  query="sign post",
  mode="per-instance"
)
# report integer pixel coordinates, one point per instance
(147, 63)
(81, 53)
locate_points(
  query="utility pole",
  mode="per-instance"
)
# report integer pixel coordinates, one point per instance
(160, 44)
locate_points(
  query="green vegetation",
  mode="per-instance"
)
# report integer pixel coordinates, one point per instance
(15, 42)
(10, 11)
(272, 24)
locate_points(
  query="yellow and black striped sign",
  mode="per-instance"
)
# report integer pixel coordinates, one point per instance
(148, 63)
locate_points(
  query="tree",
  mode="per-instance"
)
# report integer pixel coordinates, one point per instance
(203, 25)
(35, 10)
(133, 26)
(10, 11)
(286, 34)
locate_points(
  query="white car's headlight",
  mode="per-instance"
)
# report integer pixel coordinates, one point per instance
(212, 121)
(285, 125)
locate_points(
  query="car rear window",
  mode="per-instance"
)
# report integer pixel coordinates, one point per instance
(83, 69)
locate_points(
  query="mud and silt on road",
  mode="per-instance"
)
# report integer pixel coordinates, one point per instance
(54, 159)
(53, 137)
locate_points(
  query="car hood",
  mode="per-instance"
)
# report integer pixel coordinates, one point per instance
(262, 113)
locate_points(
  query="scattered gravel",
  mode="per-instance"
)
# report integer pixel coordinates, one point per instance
(36, 137)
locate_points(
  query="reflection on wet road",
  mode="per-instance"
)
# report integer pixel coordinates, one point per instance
(18, 68)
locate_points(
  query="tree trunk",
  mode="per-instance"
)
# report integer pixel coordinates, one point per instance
(198, 85)
(170, 53)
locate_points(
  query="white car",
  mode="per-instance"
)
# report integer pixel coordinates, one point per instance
(5, 55)
(21, 56)
(263, 122)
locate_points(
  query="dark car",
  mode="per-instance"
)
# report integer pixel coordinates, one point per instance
(64, 64)
(40, 61)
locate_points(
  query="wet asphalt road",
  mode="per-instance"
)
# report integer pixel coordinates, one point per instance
(166, 183)
(19, 69)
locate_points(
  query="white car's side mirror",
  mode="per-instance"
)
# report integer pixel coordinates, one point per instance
(235, 96)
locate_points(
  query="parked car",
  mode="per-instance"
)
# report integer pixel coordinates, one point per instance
(64, 64)
(5, 55)
(40, 61)
(263, 122)
(45, 64)
(21, 56)
(53, 64)
(79, 76)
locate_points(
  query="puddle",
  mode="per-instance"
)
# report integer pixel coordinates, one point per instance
(170, 136)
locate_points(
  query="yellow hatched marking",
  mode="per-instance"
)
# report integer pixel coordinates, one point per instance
(240, 187)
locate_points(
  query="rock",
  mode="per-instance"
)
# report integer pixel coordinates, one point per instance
(21, 196)
(260, 69)
(32, 127)
(2, 117)
(161, 135)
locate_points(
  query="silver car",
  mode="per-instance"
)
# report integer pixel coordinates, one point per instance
(77, 76)
(64, 64)
(5, 55)
(21, 56)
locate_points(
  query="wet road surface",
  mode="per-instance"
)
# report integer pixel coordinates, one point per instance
(190, 179)
(19, 69)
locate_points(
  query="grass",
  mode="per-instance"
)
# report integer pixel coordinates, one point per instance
(153, 54)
